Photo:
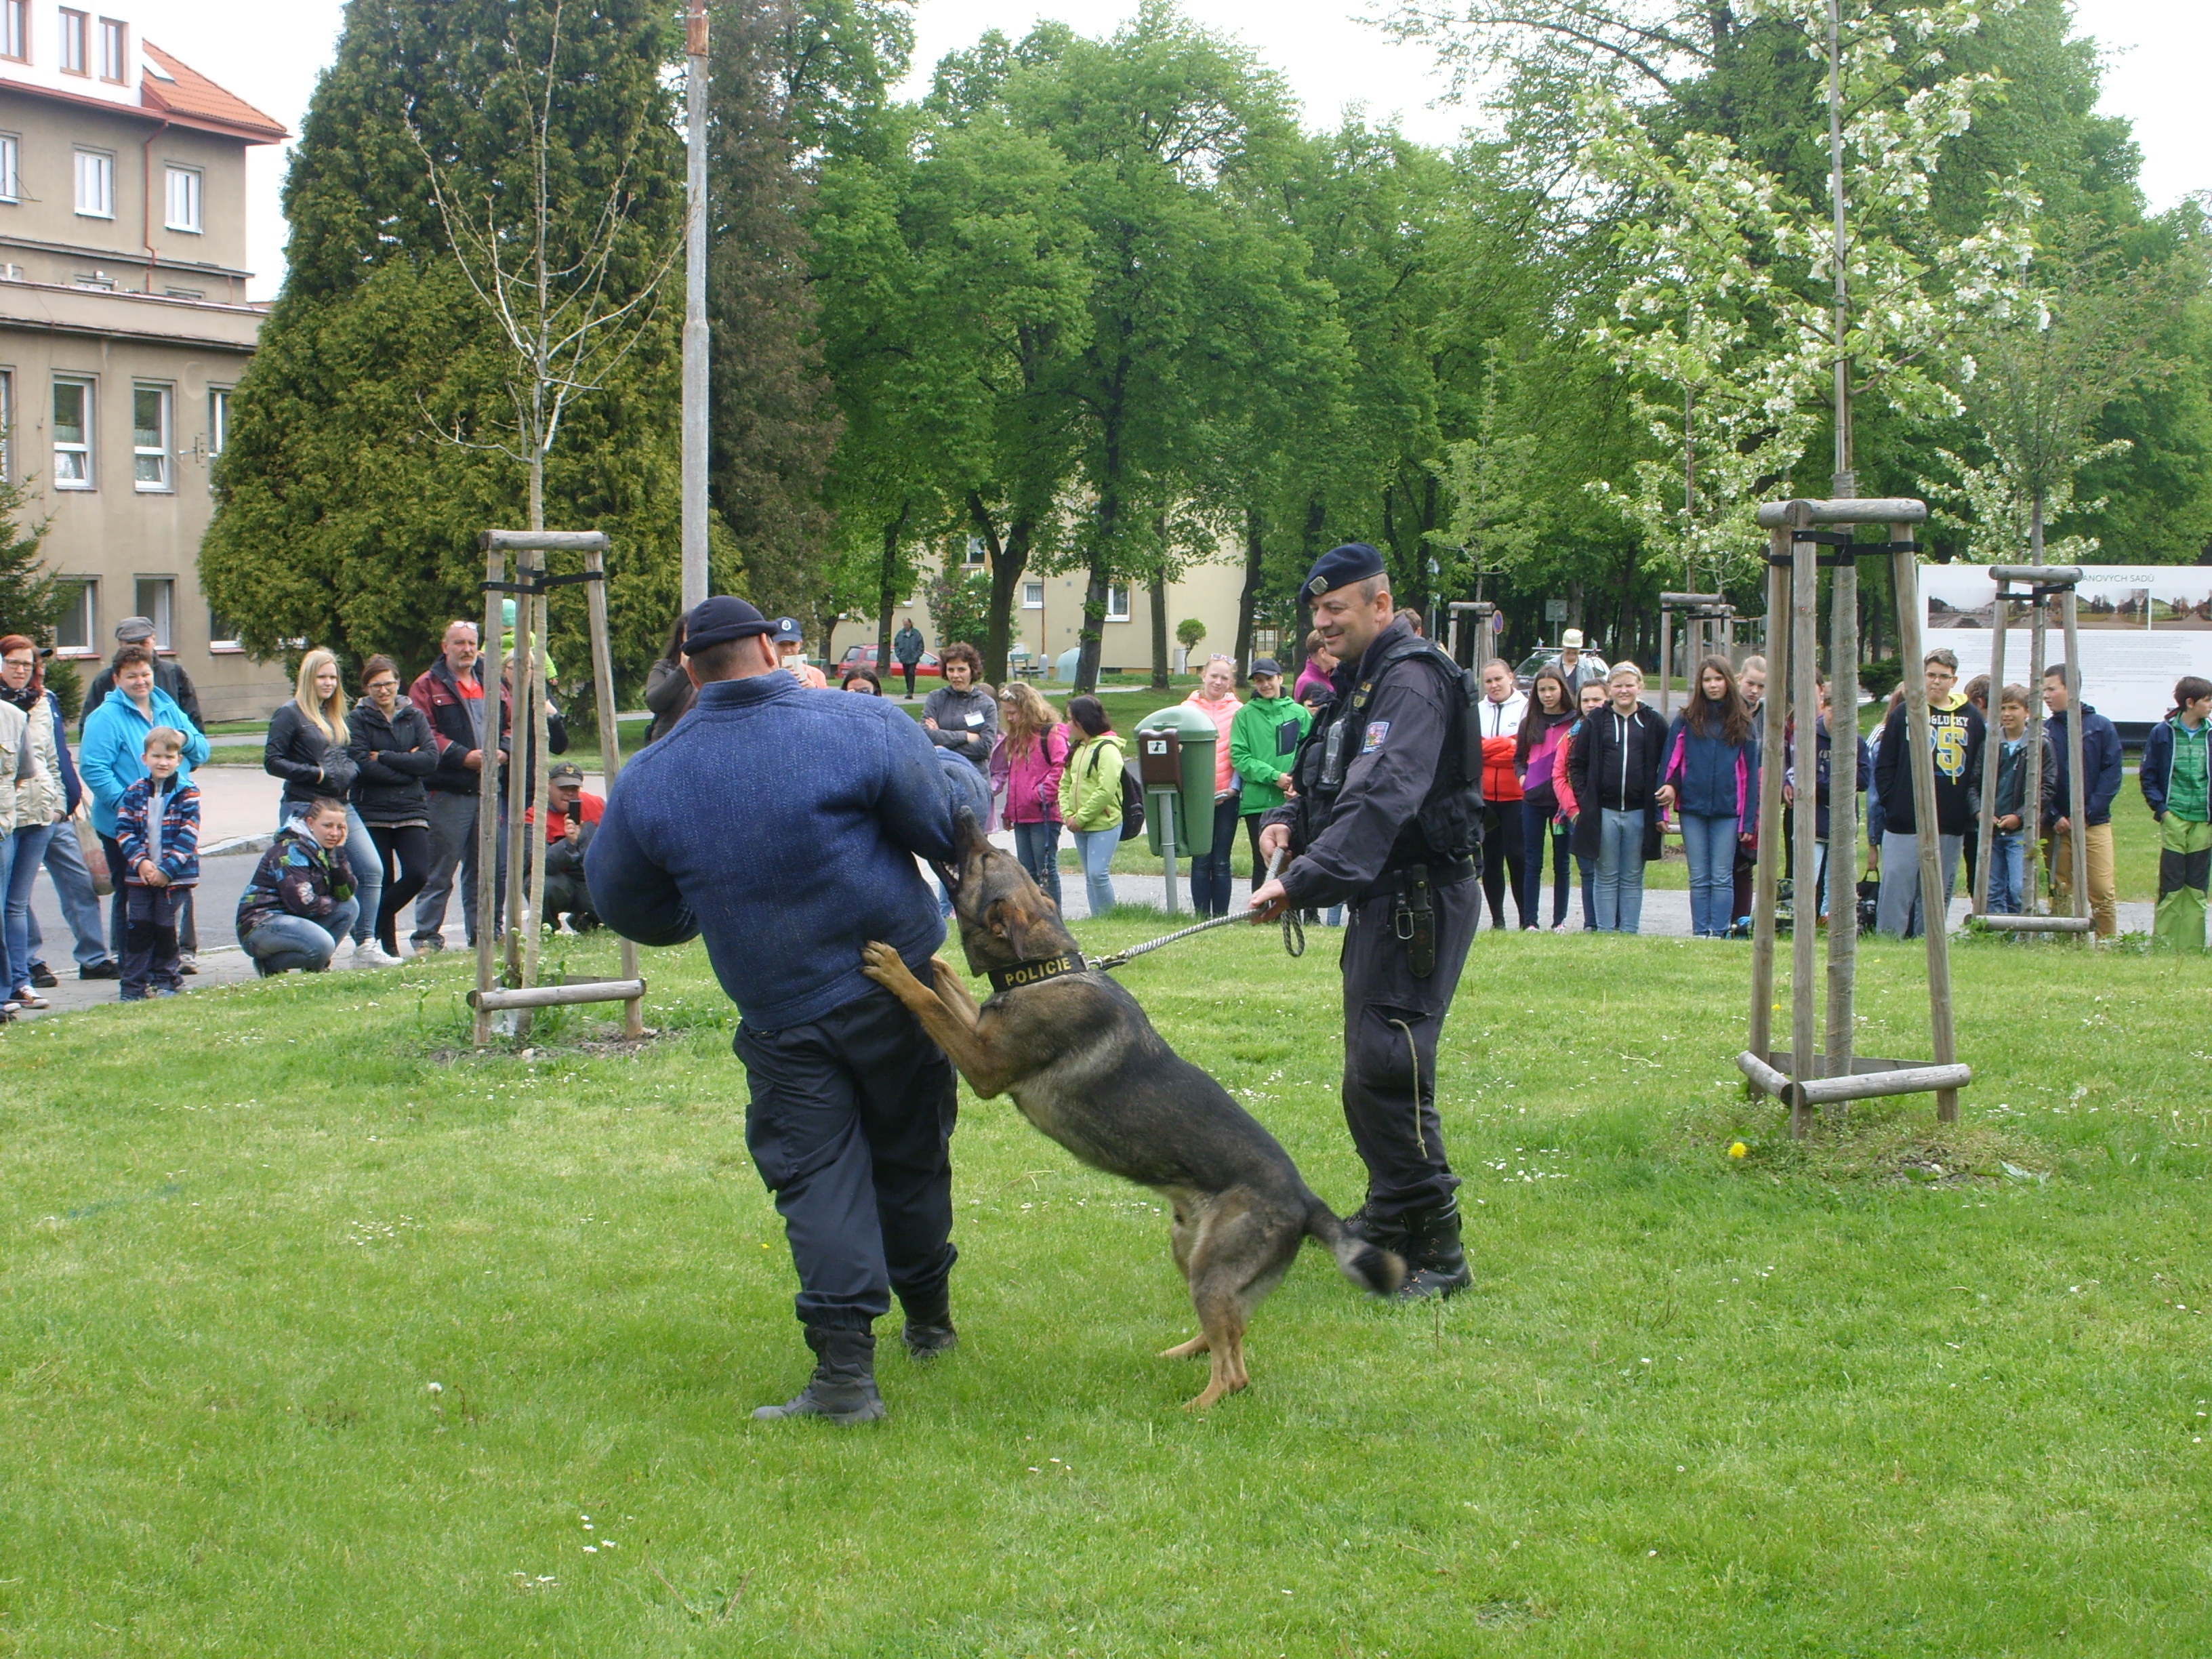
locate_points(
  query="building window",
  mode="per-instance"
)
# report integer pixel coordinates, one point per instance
(155, 595)
(95, 184)
(977, 554)
(75, 629)
(72, 434)
(218, 419)
(76, 25)
(15, 30)
(11, 188)
(1266, 642)
(114, 51)
(184, 199)
(222, 633)
(1117, 601)
(1032, 596)
(150, 437)
(98, 279)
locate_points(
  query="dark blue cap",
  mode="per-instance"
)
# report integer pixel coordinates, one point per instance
(720, 620)
(1266, 666)
(1354, 561)
(786, 629)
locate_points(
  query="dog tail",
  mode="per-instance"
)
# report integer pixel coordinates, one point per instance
(1374, 1270)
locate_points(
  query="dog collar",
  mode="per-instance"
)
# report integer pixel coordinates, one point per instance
(1036, 973)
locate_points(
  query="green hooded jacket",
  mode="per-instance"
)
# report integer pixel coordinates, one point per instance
(1263, 740)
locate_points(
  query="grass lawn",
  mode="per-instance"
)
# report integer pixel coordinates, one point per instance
(1879, 1396)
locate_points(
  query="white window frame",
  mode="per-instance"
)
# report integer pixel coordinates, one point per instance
(75, 42)
(182, 190)
(219, 627)
(86, 606)
(1032, 596)
(11, 172)
(15, 30)
(152, 471)
(218, 418)
(95, 184)
(1117, 601)
(112, 42)
(162, 612)
(85, 454)
(975, 555)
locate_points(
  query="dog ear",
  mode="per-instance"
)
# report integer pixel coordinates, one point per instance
(1012, 923)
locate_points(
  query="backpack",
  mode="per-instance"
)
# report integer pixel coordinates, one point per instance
(1132, 801)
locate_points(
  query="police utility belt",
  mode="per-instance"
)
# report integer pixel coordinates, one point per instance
(1414, 915)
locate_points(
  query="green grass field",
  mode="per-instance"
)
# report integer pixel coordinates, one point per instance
(320, 1335)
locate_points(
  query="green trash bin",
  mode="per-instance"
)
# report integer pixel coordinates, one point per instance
(1175, 748)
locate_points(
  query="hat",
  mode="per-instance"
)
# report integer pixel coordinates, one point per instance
(565, 772)
(1571, 639)
(1266, 666)
(1354, 561)
(720, 620)
(785, 631)
(135, 630)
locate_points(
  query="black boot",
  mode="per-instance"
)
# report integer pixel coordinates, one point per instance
(929, 1330)
(1435, 1263)
(843, 1389)
(1384, 1232)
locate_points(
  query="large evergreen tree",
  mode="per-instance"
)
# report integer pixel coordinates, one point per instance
(352, 488)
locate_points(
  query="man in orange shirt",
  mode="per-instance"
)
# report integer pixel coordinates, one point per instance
(568, 830)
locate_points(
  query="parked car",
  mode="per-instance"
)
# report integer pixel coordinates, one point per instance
(864, 656)
(1525, 675)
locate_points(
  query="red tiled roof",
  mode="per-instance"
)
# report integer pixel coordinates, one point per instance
(193, 95)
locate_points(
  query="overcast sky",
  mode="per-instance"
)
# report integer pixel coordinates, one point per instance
(2155, 50)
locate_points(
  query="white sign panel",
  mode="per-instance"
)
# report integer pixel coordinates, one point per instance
(2142, 627)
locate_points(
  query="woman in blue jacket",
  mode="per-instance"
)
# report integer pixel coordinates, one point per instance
(1711, 777)
(113, 755)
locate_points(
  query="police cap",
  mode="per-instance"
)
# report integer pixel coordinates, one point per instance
(720, 620)
(1354, 561)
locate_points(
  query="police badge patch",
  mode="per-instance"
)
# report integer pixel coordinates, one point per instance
(1377, 731)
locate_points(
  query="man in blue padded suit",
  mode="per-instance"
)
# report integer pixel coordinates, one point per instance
(771, 816)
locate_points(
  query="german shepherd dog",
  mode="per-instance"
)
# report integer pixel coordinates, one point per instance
(1084, 1066)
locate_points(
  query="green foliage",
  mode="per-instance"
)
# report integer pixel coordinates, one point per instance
(66, 685)
(959, 607)
(1188, 632)
(30, 598)
(344, 516)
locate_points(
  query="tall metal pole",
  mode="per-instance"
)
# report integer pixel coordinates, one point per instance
(694, 311)
(1845, 484)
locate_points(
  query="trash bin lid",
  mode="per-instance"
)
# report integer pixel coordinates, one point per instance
(1180, 718)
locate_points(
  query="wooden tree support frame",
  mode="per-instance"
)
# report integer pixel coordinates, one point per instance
(1699, 611)
(2044, 583)
(1802, 536)
(520, 993)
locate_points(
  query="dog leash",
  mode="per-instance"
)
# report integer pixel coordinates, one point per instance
(1294, 930)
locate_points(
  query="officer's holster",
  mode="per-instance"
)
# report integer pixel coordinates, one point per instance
(1415, 921)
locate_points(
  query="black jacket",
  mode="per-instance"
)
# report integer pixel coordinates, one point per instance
(1959, 730)
(167, 675)
(1615, 766)
(309, 764)
(389, 790)
(668, 694)
(2101, 769)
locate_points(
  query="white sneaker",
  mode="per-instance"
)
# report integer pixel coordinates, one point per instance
(369, 954)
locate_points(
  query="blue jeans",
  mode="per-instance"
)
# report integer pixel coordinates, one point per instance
(79, 901)
(1209, 874)
(368, 868)
(2007, 869)
(1620, 871)
(283, 943)
(1037, 847)
(1095, 848)
(1709, 842)
(28, 852)
(12, 975)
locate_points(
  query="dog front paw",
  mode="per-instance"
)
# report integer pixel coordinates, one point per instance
(882, 964)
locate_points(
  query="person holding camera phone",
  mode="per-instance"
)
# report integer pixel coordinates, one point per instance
(568, 830)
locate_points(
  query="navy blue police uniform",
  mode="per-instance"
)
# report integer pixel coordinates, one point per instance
(1386, 822)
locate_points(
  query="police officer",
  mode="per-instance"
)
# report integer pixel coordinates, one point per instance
(783, 828)
(1386, 822)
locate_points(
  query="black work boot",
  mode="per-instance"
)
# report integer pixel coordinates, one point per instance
(928, 1330)
(1435, 1263)
(843, 1389)
(1384, 1232)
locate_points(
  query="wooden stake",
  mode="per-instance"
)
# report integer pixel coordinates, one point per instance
(539, 786)
(1768, 880)
(1798, 686)
(521, 729)
(2077, 786)
(1920, 754)
(1843, 815)
(2031, 878)
(1992, 750)
(602, 688)
(487, 829)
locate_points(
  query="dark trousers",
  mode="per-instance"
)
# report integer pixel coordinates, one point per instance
(567, 895)
(1740, 874)
(1536, 834)
(906, 669)
(187, 933)
(850, 1125)
(151, 959)
(406, 856)
(1390, 1082)
(1210, 876)
(1503, 860)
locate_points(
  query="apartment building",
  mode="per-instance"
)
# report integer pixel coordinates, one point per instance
(124, 326)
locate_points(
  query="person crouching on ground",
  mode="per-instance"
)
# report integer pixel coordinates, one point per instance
(300, 901)
(771, 815)
(157, 825)
(574, 820)
(2176, 786)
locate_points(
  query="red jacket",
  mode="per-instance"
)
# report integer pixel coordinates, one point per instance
(1501, 728)
(594, 808)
